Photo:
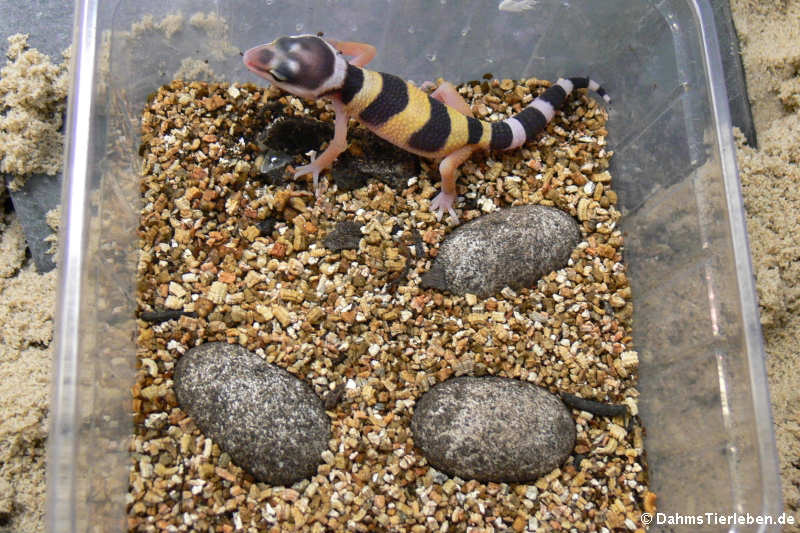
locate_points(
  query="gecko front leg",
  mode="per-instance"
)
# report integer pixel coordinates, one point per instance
(337, 145)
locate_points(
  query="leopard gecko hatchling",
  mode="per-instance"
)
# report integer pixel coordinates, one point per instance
(438, 126)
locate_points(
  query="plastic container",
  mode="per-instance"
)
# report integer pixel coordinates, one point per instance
(704, 399)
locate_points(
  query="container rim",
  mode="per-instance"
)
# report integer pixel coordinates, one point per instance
(62, 448)
(63, 443)
(748, 297)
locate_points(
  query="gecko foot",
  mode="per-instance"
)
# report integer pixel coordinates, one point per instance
(444, 202)
(312, 168)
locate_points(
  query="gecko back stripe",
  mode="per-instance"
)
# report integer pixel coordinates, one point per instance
(474, 130)
(353, 81)
(392, 99)
(432, 136)
(501, 136)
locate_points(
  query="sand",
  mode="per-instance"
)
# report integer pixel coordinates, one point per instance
(33, 92)
(32, 99)
(770, 35)
(769, 31)
(27, 301)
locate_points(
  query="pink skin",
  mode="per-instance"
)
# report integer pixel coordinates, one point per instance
(335, 147)
(362, 54)
(447, 94)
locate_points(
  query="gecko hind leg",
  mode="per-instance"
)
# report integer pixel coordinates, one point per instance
(447, 94)
(447, 168)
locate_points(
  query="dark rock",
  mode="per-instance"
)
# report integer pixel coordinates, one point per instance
(266, 226)
(32, 201)
(297, 135)
(49, 26)
(347, 176)
(345, 236)
(269, 422)
(162, 315)
(376, 159)
(511, 247)
(577, 459)
(273, 168)
(7, 503)
(381, 160)
(492, 429)
(334, 397)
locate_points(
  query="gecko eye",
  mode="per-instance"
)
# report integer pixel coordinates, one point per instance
(284, 72)
(275, 74)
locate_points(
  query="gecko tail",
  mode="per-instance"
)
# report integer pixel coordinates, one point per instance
(588, 83)
(515, 131)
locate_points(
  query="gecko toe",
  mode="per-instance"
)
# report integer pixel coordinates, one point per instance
(444, 202)
(453, 214)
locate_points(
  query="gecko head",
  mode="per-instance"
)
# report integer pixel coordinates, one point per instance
(303, 65)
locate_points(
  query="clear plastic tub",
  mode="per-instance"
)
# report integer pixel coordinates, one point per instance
(704, 399)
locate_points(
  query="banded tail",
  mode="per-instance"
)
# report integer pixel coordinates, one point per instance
(515, 131)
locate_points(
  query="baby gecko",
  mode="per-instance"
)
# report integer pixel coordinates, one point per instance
(439, 125)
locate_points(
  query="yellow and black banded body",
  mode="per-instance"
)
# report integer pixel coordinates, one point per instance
(438, 126)
(407, 116)
(410, 118)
